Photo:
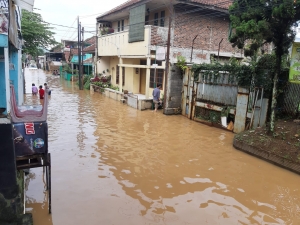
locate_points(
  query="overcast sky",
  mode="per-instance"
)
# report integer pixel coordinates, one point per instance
(65, 12)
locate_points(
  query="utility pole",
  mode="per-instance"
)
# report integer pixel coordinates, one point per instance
(96, 52)
(79, 55)
(168, 58)
(82, 57)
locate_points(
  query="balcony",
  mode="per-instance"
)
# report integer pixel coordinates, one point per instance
(116, 43)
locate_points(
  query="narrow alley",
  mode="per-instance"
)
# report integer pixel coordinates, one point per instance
(112, 164)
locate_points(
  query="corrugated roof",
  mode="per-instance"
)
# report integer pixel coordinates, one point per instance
(223, 4)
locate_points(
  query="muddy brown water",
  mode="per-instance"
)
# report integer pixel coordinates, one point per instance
(112, 164)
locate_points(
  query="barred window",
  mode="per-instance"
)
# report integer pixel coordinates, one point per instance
(162, 18)
(123, 76)
(158, 79)
(156, 19)
(117, 74)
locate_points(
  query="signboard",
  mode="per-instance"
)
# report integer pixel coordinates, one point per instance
(4, 17)
(160, 54)
(295, 64)
(30, 138)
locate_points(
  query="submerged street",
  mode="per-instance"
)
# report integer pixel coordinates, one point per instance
(112, 164)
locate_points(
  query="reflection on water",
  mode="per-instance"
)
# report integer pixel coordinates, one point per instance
(112, 164)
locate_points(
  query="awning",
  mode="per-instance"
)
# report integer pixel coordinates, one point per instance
(85, 57)
(25, 4)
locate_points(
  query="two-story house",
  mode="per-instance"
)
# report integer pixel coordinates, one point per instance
(133, 42)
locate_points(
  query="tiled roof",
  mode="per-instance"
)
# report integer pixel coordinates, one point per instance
(91, 40)
(74, 51)
(224, 4)
(120, 7)
(90, 48)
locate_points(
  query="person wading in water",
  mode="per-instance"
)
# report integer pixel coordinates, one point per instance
(156, 96)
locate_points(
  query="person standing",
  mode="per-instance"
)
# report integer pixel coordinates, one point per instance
(34, 89)
(47, 89)
(41, 92)
(156, 96)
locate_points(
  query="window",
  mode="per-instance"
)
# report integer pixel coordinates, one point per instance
(144, 62)
(123, 76)
(156, 19)
(117, 74)
(147, 20)
(162, 18)
(120, 25)
(159, 78)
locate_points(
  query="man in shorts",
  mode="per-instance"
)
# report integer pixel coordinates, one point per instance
(156, 96)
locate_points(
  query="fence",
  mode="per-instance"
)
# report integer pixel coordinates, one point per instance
(291, 101)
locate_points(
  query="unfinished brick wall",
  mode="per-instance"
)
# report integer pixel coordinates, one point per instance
(210, 31)
(159, 36)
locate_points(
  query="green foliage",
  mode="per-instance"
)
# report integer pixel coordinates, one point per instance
(67, 69)
(36, 33)
(87, 84)
(256, 22)
(256, 73)
(181, 63)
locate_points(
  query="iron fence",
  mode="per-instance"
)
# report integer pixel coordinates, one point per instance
(290, 106)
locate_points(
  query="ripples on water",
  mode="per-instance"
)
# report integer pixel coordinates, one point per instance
(115, 165)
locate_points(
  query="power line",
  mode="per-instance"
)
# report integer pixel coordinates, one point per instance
(71, 26)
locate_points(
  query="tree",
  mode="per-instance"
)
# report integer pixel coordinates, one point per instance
(257, 22)
(36, 33)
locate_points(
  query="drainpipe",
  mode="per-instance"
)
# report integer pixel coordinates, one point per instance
(193, 47)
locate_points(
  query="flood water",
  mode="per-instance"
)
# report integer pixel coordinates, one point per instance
(114, 165)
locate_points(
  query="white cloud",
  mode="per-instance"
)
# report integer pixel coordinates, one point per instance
(65, 12)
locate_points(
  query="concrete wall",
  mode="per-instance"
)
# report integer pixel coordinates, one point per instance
(174, 91)
(117, 44)
(145, 104)
(103, 64)
(132, 101)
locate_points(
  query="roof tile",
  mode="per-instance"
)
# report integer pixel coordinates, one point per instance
(224, 4)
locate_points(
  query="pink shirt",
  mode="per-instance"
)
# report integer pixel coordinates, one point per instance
(34, 89)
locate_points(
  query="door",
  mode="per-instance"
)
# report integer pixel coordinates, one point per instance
(143, 81)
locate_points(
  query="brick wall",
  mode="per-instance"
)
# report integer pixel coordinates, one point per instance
(210, 31)
(159, 36)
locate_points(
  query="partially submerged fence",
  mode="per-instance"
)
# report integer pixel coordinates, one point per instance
(215, 97)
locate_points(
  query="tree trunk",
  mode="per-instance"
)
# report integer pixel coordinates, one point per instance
(274, 93)
(274, 103)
